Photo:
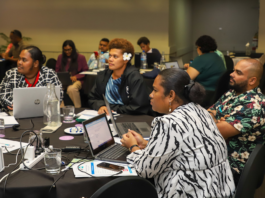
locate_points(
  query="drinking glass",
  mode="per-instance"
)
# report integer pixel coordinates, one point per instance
(68, 113)
(53, 160)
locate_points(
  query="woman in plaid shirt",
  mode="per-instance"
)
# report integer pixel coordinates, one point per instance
(28, 73)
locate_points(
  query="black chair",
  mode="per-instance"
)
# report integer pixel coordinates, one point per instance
(129, 187)
(253, 173)
(51, 63)
(229, 63)
(262, 81)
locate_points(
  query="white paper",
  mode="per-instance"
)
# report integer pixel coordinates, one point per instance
(9, 120)
(91, 168)
(88, 72)
(87, 114)
(117, 140)
(3, 114)
(10, 145)
(114, 132)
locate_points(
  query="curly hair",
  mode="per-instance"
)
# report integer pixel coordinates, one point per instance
(206, 44)
(123, 44)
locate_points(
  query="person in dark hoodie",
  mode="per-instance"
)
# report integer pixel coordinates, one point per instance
(122, 84)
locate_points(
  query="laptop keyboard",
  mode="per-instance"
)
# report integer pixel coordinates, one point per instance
(114, 153)
(128, 125)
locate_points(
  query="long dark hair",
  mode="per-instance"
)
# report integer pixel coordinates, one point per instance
(73, 67)
(36, 54)
(179, 81)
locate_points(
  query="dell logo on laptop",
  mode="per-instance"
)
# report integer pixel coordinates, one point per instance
(37, 102)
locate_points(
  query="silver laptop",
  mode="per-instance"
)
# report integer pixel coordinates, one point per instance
(176, 64)
(28, 101)
(122, 127)
(101, 142)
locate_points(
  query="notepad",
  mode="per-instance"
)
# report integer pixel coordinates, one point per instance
(9, 120)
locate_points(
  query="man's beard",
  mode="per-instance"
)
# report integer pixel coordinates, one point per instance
(239, 87)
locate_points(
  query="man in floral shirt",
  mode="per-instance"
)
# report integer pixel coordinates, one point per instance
(239, 114)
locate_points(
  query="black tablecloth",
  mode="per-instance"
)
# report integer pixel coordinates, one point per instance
(36, 183)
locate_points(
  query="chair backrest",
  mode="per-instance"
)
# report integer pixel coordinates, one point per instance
(252, 176)
(129, 187)
(229, 63)
(51, 63)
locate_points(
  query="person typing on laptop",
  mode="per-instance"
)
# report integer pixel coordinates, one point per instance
(122, 84)
(28, 73)
(186, 154)
(74, 63)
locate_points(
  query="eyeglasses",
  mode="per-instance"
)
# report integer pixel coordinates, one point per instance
(67, 50)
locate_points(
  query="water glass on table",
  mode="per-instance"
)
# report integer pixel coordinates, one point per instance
(53, 160)
(68, 113)
(2, 128)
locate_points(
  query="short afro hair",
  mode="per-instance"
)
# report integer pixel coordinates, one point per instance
(143, 40)
(123, 44)
(206, 44)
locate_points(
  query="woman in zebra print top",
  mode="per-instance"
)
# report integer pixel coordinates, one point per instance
(186, 154)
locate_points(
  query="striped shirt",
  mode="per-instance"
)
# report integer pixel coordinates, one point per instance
(112, 91)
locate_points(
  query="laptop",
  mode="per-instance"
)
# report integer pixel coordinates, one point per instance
(101, 142)
(64, 77)
(151, 58)
(175, 64)
(28, 102)
(122, 127)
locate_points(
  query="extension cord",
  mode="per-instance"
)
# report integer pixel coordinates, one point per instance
(31, 163)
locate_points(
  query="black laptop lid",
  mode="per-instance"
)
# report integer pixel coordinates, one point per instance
(98, 133)
(64, 77)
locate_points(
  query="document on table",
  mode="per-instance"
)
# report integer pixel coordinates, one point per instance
(89, 72)
(10, 145)
(9, 120)
(87, 114)
(92, 169)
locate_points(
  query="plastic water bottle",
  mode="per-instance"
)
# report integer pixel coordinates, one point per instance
(143, 60)
(98, 59)
(2, 129)
(45, 102)
(53, 108)
(102, 61)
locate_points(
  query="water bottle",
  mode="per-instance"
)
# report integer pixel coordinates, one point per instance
(45, 101)
(163, 59)
(143, 60)
(98, 60)
(53, 108)
(102, 61)
(2, 129)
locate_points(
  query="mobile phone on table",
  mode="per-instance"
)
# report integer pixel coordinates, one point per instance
(110, 166)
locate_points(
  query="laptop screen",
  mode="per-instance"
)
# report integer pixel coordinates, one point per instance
(99, 134)
(172, 65)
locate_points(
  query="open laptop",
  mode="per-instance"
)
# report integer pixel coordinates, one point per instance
(101, 142)
(28, 101)
(121, 128)
(175, 64)
(64, 77)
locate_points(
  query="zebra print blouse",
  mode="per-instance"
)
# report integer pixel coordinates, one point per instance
(186, 155)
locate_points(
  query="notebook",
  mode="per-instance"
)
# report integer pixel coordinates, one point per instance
(101, 142)
(28, 101)
(122, 127)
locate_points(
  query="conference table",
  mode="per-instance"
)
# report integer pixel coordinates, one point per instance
(36, 183)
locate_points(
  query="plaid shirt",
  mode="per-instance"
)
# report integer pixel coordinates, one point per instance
(14, 79)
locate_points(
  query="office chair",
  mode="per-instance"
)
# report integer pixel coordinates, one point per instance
(129, 187)
(229, 63)
(253, 173)
(51, 63)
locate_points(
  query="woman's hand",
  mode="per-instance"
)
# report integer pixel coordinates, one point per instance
(186, 65)
(128, 140)
(10, 108)
(140, 140)
(103, 109)
(73, 78)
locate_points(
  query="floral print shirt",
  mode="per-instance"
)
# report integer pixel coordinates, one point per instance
(247, 116)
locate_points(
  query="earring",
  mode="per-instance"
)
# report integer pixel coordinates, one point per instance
(169, 107)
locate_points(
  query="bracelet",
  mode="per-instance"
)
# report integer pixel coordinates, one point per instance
(130, 149)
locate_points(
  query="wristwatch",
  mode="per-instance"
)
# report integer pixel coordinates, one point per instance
(130, 149)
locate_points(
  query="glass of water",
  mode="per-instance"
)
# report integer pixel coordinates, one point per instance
(52, 160)
(68, 113)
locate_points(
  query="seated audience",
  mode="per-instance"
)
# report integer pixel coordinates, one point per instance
(103, 47)
(29, 73)
(144, 44)
(18, 45)
(74, 63)
(239, 113)
(186, 154)
(122, 84)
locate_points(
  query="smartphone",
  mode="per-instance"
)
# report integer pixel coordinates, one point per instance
(96, 54)
(110, 166)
